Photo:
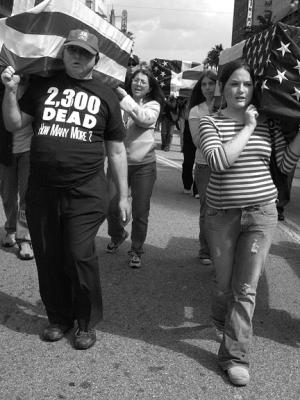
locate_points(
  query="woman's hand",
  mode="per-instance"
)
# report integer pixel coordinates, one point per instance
(121, 93)
(251, 115)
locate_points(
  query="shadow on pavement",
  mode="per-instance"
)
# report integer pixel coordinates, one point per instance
(166, 303)
(21, 316)
(276, 324)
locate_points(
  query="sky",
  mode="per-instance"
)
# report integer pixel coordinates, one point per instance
(176, 29)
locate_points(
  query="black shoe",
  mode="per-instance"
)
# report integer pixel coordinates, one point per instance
(113, 246)
(55, 332)
(84, 339)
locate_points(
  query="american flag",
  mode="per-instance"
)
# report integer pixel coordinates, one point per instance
(274, 55)
(176, 76)
(33, 31)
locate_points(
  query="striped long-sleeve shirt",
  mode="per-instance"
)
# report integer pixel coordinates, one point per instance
(248, 180)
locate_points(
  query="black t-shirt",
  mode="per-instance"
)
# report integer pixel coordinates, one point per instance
(72, 119)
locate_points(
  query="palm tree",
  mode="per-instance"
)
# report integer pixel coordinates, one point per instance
(212, 59)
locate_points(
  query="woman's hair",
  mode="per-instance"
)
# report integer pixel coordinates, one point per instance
(229, 69)
(197, 96)
(155, 92)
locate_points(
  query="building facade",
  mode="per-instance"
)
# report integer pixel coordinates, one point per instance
(99, 6)
(248, 15)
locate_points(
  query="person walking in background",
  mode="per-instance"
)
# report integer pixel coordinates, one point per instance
(241, 215)
(282, 181)
(168, 122)
(76, 122)
(13, 185)
(141, 104)
(201, 104)
(182, 117)
(133, 63)
(188, 150)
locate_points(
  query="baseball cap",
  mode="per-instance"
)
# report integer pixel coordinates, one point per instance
(84, 39)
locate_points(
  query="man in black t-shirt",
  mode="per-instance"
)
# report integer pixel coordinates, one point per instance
(76, 121)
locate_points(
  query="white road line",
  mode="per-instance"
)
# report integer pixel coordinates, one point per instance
(170, 163)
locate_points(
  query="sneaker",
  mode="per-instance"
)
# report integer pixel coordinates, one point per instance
(238, 375)
(84, 339)
(204, 258)
(25, 252)
(135, 260)
(9, 240)
(112, 246)
(187, 191)
(196, 196)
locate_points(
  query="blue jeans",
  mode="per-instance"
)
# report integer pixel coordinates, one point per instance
(239, 241)
(201, 176)
(141, 180)
(14, 179)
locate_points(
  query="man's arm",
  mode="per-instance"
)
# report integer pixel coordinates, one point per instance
(13, 117)
(117, 159)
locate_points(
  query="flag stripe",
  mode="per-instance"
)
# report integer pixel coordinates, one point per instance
(59, 24)
(22, 44)
(30, 65)
(193, 74)
(31, 41)
(6, 7)
(20, 6)
(232, 53)
(12, 7)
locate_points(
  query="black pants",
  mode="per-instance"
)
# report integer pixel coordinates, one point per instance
(167, 130)
(63, 226)
(189, 151)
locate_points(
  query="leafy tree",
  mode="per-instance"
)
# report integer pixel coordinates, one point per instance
(212, 59)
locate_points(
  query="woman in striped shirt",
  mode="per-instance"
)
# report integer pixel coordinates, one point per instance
(241, 214)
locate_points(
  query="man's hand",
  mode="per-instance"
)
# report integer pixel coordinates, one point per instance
(125, 210)
(9, 79)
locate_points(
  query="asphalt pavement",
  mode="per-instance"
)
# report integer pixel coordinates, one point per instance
(155, 341)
